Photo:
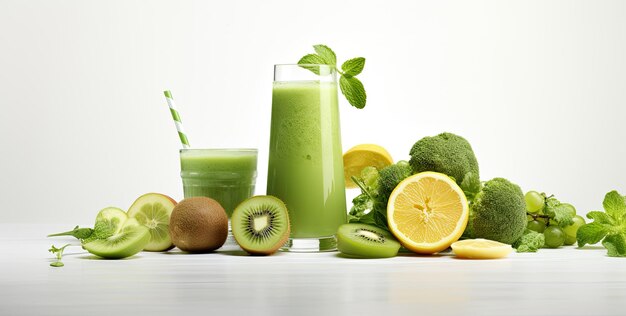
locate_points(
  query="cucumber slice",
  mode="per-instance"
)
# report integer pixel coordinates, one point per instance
(131, 239)
(153, 210)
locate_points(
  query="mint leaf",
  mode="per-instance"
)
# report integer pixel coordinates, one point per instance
(601, 217)
(591, 233)
(561, 213)
(326, 54)
(353, 67)
(312, 59)
(614, 205)
(616, 245)
(353, 89)
(531, 241)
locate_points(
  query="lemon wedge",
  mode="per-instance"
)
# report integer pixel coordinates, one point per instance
(361, 156)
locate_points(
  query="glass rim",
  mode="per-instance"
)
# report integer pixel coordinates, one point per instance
(216, 150)
(300, 65)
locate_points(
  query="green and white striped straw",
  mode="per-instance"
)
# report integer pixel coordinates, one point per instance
(176, 117)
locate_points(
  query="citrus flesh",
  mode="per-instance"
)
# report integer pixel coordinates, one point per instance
(427, 212)
(361, 156)
(481, 249)
(153, 210)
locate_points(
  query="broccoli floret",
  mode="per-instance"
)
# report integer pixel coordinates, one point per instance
(498, 212)
(391, 175)
(531, 241)
(447, 153)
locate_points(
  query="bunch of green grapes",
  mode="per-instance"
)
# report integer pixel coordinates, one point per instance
(543, 214)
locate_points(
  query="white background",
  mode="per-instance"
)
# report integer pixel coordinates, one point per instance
(537, 87)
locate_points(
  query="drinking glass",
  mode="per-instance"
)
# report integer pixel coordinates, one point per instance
(305, 167)
(225, 175)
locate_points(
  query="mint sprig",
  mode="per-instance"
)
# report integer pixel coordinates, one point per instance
(608, 226)
(58, 253)
(350, 86)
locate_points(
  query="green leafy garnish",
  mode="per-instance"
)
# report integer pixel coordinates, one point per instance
(471, 186)
(608, 226)
(370, 207)
(79, 233)
(350, 86)
(58, 252)
(559, 212)
(531, 241)
(108, 222)
(555, 212)
(353, 67)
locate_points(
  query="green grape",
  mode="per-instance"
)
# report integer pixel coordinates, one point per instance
(555, 237)
(570, 206)
(538, 226)
(570, 231)
(534, 201)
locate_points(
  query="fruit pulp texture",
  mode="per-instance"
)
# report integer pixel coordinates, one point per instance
(227, 177)
(305, 159)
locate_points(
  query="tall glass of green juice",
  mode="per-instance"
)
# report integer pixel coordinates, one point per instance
(225, 175)
(305, 158)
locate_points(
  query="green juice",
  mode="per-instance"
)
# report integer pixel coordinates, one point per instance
(305, 161)
(225, 175)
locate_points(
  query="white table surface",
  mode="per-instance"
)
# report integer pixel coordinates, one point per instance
(566, 281)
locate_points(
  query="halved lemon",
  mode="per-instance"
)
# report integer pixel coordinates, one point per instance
(361, 156)
(481, 249)
(427, 212)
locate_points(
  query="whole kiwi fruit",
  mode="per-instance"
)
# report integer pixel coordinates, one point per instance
(198, 224)
(260, 224)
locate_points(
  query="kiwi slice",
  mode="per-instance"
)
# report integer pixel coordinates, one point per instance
(260, 224)
(366, 241)
(129, 240)
(153, 210)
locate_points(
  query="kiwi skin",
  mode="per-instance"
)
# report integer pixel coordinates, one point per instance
(198, 224)
(249, 203)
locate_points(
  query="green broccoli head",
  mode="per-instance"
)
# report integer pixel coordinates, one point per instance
(498, 212)
(391, 175)
(446, 153)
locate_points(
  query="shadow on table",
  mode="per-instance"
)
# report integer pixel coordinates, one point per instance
(400, 254)
(94, 257)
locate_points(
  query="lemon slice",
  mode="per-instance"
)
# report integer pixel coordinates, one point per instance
(481, 249)
(361, 156)
(427, 212)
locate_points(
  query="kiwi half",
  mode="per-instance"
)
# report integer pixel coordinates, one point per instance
(366, 241)
(260, 224)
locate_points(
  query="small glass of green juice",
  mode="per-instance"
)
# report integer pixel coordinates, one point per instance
(225, 175)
